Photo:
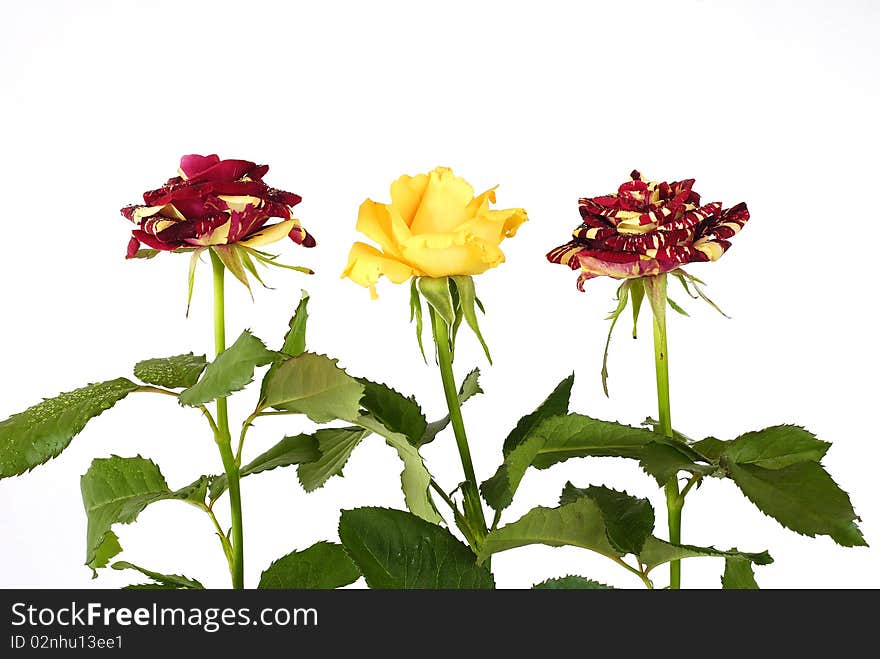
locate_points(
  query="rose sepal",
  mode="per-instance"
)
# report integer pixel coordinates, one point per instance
(451, 300)
(631, 293)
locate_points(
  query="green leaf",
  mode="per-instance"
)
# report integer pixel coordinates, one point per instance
(776, 447)
(108, 548)
(500, 488)
(171, 372)
(164, 580)
(663, 461)
(637, 293)
(115, 490)
(577, 435)
(41, 432)
(622, 297)
(396, 549)
(579, 524)
(231, 371)
(314, 385)
(711, 448)
(467, 296)
(231, 259)
(294, 450)
(738, 575)
(437, 293)
(679, 437)
(571, 582)
(415, 479)
(628, 520)
(294, 340)
(335, 446)
(195, 492)
(657, 552)
(802, 497)
(324, 565)
(470, 386)
(149, 586)
(398, 413)
(557, 439)
(555, 404)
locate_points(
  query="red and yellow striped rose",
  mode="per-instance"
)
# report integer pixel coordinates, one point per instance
(648, 228)
(214, 202)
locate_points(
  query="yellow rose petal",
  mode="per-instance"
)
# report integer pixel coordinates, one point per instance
(442, 255)
(481, 202)
(493, 226)
(270, 234)
(710, 248)
(444, 206)
(406, 195)
(366, 264)
(386, 228)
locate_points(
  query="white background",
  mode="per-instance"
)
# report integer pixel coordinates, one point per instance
(773, 103)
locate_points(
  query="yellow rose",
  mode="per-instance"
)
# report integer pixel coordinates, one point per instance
(433, 227)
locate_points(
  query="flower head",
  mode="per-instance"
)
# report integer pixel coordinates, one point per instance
(214, 202)
(648, 228)
(433, 227)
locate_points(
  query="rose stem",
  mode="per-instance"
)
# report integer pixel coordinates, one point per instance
(656, 289)
(473, 507)
(222, 436)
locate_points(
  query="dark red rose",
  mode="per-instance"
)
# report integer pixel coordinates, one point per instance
(648, 228)
(214, 202)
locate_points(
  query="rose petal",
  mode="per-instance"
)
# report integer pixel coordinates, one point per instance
(302, 237)
(442, 255)
(406, 195)
(270, 234)
(225, 171)
(282, 197)
(366, 264)
(383, 224)
(245, 222)
(218, 235)
(566, 254)
(154, 242)
(133, 246)
(444, 204)
(193, 164)
(493, 226)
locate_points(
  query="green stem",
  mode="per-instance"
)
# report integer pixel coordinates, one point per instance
(655, 287)
(224, 541)
(244, 429)
(473, 507)
(639, 573)
(442, 493)
(222, 436)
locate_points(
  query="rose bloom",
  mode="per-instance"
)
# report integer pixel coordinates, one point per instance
(433, 227)
(648, 228)
(214, 202)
